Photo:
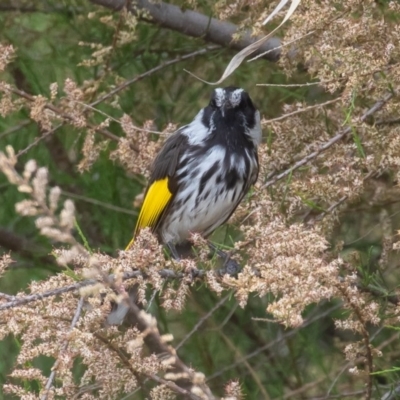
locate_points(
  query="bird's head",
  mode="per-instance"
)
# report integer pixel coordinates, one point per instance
(234, 107)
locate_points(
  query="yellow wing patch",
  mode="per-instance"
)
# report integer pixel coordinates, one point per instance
(157, 198)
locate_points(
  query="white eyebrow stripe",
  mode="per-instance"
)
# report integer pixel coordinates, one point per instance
(219, 96)
(235, 97)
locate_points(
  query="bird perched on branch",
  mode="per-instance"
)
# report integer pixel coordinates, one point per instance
(203, 170)
(200, 175)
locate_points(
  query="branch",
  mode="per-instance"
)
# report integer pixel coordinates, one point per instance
(64, 348)
(116, 90)
(392, 394)
(366, 339)
(20, 8)
(146, 324)
(202, 320)
(125, 360)
(192, 23)
(320, 216)
(343, 133)
(275, 343)
(26, 248)
(139, 77)
(62, 114)
(38, 139)
(305, 109)
(16, 301)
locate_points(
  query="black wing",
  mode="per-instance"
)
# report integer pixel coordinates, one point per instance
(166, 162)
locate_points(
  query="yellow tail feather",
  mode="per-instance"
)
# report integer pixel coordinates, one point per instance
(157, 198)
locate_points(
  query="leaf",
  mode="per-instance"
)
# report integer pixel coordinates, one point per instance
(277, 9)
(395, 369)
(238, 59)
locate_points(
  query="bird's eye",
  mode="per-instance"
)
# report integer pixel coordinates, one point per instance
(213, 103)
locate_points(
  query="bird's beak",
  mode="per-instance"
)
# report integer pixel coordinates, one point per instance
(226, 105)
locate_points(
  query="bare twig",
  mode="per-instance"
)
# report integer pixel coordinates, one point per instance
(296, 393)
(392, 394)
(63, 349)
(146, 324)
(305, 109)
(320, 216)
(202, 320)
(38, 139)
(274, 343)
(20, 300)
(7, 296)
(376, 107)
(121, 355)
(367, 342)
(389, 121)
(289, 84)
(15, 128)
(192, 23)
(28, 248)
(20, 8)
(62, 114)
(353, 395)
(98, 203)
(137, 78)
(119, 88)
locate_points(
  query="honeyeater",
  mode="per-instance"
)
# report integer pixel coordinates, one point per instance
(201, 174)
(203, 170)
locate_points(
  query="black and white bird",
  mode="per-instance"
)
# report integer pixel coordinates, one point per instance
(201, 174)
(203, 170)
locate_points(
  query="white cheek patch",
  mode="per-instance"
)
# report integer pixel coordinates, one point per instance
(256, 132)
(196, 131)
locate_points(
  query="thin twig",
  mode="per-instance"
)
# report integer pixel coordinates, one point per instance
(305, 109)
(124, 85)
(98, 203)
(20, 300)
(392, 394)
(15, 128)
(145, 324)
(274, 343)
(62, 114)
(193, 23)
(63, 349)
(366, 339)
(347, 244)
(289, 84)
(227, 318)
(296, 393)
(122, 356)
(320, 216)
(38, 139)
(350, 363)
(202, 320)
(389, 121)
(376, 107)
(354, 395)
(137, 78)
